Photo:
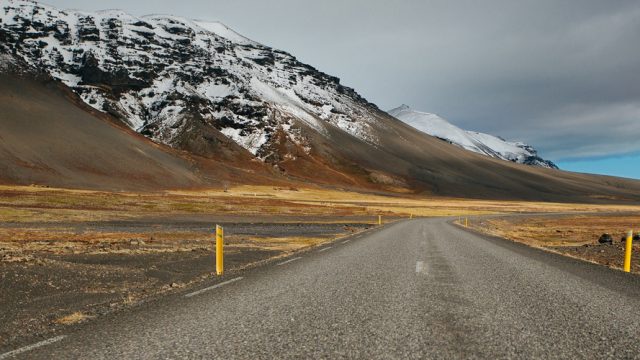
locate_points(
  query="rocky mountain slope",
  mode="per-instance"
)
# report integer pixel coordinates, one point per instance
(183, 83)
(50, 142)
(478, 142)
(216, 107)
(48, 136)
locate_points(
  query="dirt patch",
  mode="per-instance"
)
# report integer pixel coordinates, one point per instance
(611, 255)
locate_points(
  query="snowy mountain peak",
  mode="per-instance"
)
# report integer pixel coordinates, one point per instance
(481, 143)
(185, 83)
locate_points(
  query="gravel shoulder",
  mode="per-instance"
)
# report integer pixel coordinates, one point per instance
(573, 235)
(74, 272)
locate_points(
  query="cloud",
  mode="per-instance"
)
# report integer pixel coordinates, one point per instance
(561, 75)
(590, 130)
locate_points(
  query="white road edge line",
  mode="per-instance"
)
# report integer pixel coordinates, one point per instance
(346, 241)
(214, 287)
(288, 261)
(419, 267)
(31, 347)
(325, 249)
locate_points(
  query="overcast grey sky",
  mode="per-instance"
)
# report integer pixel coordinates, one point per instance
(561, 75)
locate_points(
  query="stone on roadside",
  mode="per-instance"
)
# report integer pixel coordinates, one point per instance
(605, 239)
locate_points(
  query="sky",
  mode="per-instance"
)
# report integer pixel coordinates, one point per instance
(561, 75)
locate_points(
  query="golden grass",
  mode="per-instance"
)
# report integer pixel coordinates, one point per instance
(73, 318)
(25, 204)
(406, 204)
(569, 230)
(17, 242)
(286, 244)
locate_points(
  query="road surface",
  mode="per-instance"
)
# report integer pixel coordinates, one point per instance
(415, 289)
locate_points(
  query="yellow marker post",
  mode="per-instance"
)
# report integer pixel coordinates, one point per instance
(627, 252)
(379, 219)
(219, 250)
(410, 216)
(466, 222)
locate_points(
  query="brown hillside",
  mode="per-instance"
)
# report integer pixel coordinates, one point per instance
(49, 137)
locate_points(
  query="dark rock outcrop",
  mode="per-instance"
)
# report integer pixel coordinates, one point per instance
(605, 239)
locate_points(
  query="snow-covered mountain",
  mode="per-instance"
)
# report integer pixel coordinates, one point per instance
(183, 82)
(193, 84)
(481, 143)
(229, 109)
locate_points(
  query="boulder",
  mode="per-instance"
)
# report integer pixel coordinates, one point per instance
(605, 239)
(636, 237)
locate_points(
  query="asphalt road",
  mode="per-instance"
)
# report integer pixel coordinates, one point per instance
(414, 289)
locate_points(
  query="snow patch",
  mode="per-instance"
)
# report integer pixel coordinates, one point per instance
(224, 31)
(251, 141)
(286, 100)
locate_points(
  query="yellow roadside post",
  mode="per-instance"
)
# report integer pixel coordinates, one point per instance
(627, 252)
(410, 216)
(466, 222)
(379, 219)
(219, 250)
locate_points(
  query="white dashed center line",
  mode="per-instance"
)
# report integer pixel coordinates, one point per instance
(325, 249)
(290, 260)
(213, 287)
(31, 347)
(420, 267)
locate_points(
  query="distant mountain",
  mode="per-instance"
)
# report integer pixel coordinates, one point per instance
(480, 143)
(195, 104)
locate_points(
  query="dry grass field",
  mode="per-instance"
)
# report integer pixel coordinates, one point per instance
(80, 221)
(29, 204)
(568, 230)
(573, 235)
(70, 255)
